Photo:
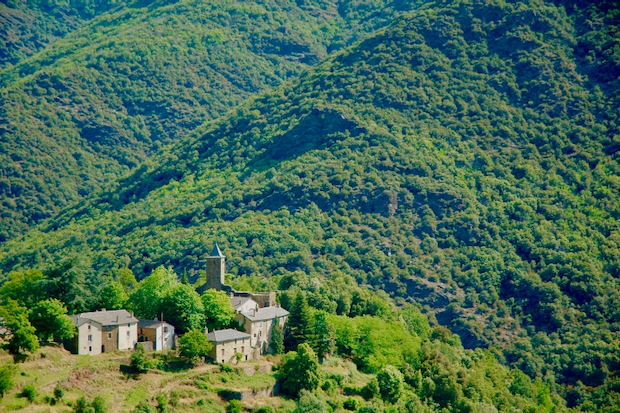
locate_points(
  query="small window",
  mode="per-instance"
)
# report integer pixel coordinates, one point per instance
(261, 323)
(90, 338)
(242, 349)
(165, 329)
(109, 335)
(128, 333)
(222, 354)
(110, 328)
(128, 324)
(89, 327)
(254, 334)
(90, 348)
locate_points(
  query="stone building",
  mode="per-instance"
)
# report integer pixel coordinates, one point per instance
(228, 343)
(259, 323)
(103, 331)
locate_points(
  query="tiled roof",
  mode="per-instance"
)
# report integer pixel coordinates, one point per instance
(220, 336)
(265, 313)
(238, 301)
(151, 323)
(106, 318)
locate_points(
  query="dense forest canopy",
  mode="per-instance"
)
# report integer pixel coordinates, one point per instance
(465, 159)
(101, 100)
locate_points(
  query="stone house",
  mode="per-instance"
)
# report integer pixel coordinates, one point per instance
(259, 323)
(242, 304)
(228, 343)
(156, 335)
(103, 331)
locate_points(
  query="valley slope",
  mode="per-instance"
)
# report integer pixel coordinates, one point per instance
(465, 158)
(98, 102)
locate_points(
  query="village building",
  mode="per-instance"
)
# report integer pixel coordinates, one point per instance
(259, 324)
(228, 343)
(216, 269)
(156, 335)
(256, 312)
(103, 331)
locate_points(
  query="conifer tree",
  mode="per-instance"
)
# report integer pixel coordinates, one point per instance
(299, 322)
(277, 338)
(323, 343)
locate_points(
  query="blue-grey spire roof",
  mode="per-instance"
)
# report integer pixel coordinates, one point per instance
(216, 253)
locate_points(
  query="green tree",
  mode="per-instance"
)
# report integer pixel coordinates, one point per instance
(99, 405)
(300, 370)
(113, 296)
(126, 278)
(299, 322)
(22, 337)
(219, 312)
(183, 308)
(194, 345)
(390, 382)
(7, 371)
(324, 341)
(23, 287)
(146, 300)
(277, 338)
(50, 320)
(67, 282)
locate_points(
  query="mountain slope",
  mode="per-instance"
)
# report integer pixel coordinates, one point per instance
(102, 100)
(27, 27)
(466, 158)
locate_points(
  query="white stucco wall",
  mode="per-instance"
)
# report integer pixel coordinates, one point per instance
(89, 338)
(127, 336)
(167, 339)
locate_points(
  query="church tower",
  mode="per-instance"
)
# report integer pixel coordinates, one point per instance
(216, 267)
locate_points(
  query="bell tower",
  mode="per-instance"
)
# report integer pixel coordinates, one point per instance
(216, 267)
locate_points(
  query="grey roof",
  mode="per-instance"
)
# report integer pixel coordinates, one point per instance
(265, 313)
(105, 318)
(151, 323)
(238, 301)
(216, 253)
(221, 336)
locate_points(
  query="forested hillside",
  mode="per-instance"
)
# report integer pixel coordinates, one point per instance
(104, 98)
(466, 158)
(27, 26)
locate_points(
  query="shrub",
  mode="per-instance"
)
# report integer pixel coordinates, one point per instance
(265, 409)
(59, 392)
(29, 392)
(371, 390)
(144, 407)
(226, 368)
(390, 382)
(235, 406)
(99, 405)
(6, 378)
(351, 404)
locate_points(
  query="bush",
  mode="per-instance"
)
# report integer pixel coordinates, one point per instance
(6, 378)
(235, 406)
(390, 382)
(144, 407)
(371, 390)
(59, 392)
(265, 409)
(99, 405)
(29, 392)
(226, 368)
(351, 404)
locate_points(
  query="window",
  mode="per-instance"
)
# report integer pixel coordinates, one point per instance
(243, 349)
(261, 323)
(109, 335)
(222, 354)
(89, 327)
(165, 329)
(110, 328)
(90, 338)
(128, 333)
(90, 348)
(235, 350)
(128, 324)
(254, 334)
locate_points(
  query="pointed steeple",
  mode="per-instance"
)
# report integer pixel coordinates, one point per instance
(216, 267)
(216, 253)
